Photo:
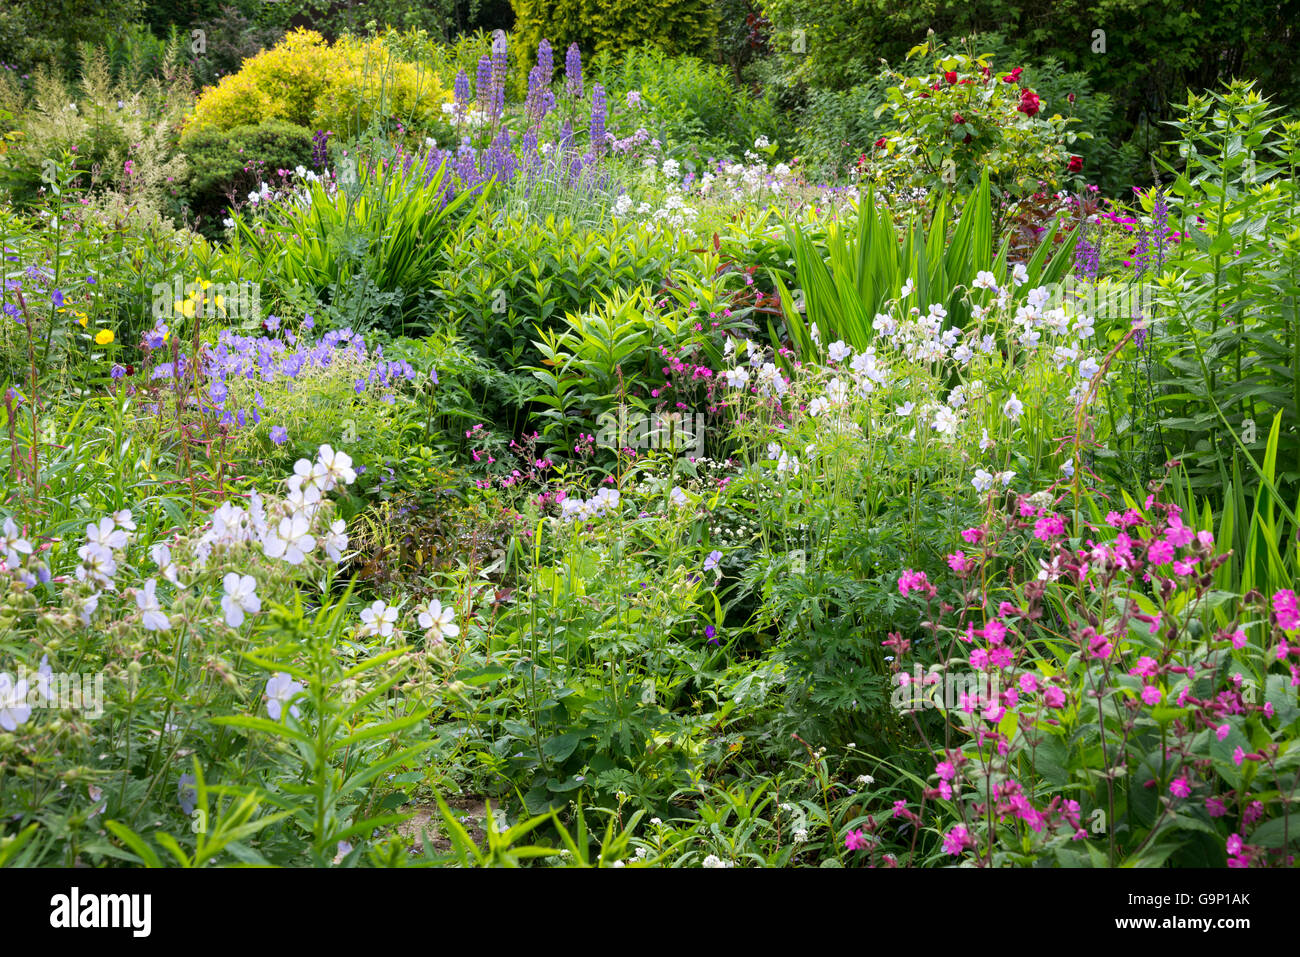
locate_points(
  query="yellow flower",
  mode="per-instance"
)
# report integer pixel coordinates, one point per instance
(104, 336)
(81, 318)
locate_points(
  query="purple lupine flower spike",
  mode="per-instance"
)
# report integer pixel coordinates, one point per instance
(597, 131)
(573, 72)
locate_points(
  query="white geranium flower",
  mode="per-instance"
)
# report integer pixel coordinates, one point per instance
(838, 351)
(336, 540)
(280, 690)
(737, 378)
(983, 481)
(13, 544)
(97, 564)
(438, 621)
(240, 597)
(290, 540)
(106, 534)
(945, 421)
(14, 709)
(146, 600)
(1013, 408)
(379, 619)
(337, 466)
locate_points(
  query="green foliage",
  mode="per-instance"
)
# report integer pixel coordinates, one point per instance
(1224, 337)
(687, 101)
(957, 120)
(675, 26)
(846, 288)
(363, 250)
(225, 165)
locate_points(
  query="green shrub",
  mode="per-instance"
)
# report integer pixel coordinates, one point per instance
(685, 100)
(233, 162)
(675, 26)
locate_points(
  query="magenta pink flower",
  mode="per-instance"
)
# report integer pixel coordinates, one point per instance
(973, 536)
(1049, 526)
(1215, 807)
(1028, 683)
(1222, 731)
(958, 562)
(1180, 788)
(1159, 552)
(1150, 694)
(1145, 667)
(957, 840)
(1054, 698)
(856, 840)
(1285, 610)
(946, 770)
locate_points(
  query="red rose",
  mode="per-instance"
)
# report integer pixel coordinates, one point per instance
(986, 70)
(925, 96)
(1028, 103)
(1014, 75)
(958, 118)
(1070, 97)
(967, 138)
(1076, 164)
(951, 77)
(881, 143)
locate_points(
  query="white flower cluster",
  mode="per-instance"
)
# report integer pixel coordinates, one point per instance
(581, 510)
(285, 529)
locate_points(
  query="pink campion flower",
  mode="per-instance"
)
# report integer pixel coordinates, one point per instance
(1183, 694)
(1155, 622)
(958, 562)
(1001, 657)
(1268, 709)
(1222, 731)
(1028, 683)
(1239, 755)
(1285, 610)
(979, 659)
(1206, 539)
(956, 840)
(973, 536)
(1159, 552)
(1150, 694)
(1253, 813)
(856, 840)
(1234, 844)
(1180, 788)
(1054, 698)
(911, 581)
(1005, 608)
(1049, 526)
(1178, 534)
(1184, 568)
(995, 632)
(1010, 698)
(1145, 667)
(1099, 646)
(945, 790)
(1028, 509)
(1239, 639)
(1215, 807)
(946, 770)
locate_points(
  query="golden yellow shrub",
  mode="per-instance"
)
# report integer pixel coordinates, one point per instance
(305, 80)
